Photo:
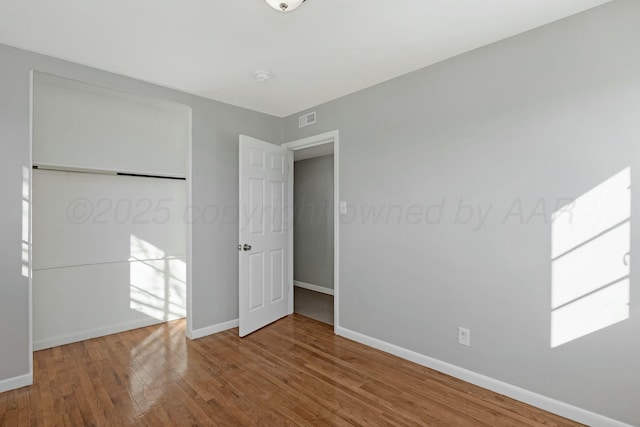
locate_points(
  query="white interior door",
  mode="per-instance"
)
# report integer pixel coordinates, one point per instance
(264, 234)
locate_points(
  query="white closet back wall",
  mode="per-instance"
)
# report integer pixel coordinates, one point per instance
(78, 124)
(109, 250)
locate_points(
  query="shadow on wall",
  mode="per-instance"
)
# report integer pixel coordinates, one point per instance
(157, 282)
(590, 261)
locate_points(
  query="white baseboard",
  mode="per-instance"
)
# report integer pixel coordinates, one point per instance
(311, 287)
(213, 329)
(93, 333)
(543, 402)
(16, 382)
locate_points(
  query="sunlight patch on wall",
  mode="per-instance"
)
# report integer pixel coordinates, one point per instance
(157, 282)
(590, 268)
(26, 204)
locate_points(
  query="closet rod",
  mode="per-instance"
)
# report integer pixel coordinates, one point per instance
(105, 172)
(181, 178)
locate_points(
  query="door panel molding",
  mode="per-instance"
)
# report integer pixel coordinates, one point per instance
(263, 233)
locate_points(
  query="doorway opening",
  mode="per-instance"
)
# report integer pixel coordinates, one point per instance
(313, 202)
(313, 208)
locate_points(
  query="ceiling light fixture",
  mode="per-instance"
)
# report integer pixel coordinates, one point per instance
(285, 6)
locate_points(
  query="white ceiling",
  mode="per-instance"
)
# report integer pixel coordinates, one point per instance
(323, 50)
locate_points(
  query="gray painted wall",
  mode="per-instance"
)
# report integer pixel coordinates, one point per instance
(313, 229)
(542, 116)
(216, 127)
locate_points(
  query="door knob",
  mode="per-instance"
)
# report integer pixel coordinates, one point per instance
(246, 247)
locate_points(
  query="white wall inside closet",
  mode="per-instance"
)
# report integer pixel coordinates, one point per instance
(109, 250)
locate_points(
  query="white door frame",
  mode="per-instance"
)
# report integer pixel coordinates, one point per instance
(312, 141)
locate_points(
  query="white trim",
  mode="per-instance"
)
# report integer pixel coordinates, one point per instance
(30, 242)
(314, 288)
(94, 333)
(291, 218)
(213, 329)
(336, 230)
(312, 141)
(543, 402)
(189, 261)
(16, 382)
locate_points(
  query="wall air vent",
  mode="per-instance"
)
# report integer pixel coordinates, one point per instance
(307, 119)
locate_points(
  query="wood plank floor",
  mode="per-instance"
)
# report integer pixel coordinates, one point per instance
(313, 304)
(294, 372)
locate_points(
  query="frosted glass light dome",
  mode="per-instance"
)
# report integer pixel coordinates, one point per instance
(285, 5)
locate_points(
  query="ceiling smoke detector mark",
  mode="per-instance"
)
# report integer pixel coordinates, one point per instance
(262, 76)
(307, 119)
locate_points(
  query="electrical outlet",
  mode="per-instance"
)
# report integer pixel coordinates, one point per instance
(464, 336)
